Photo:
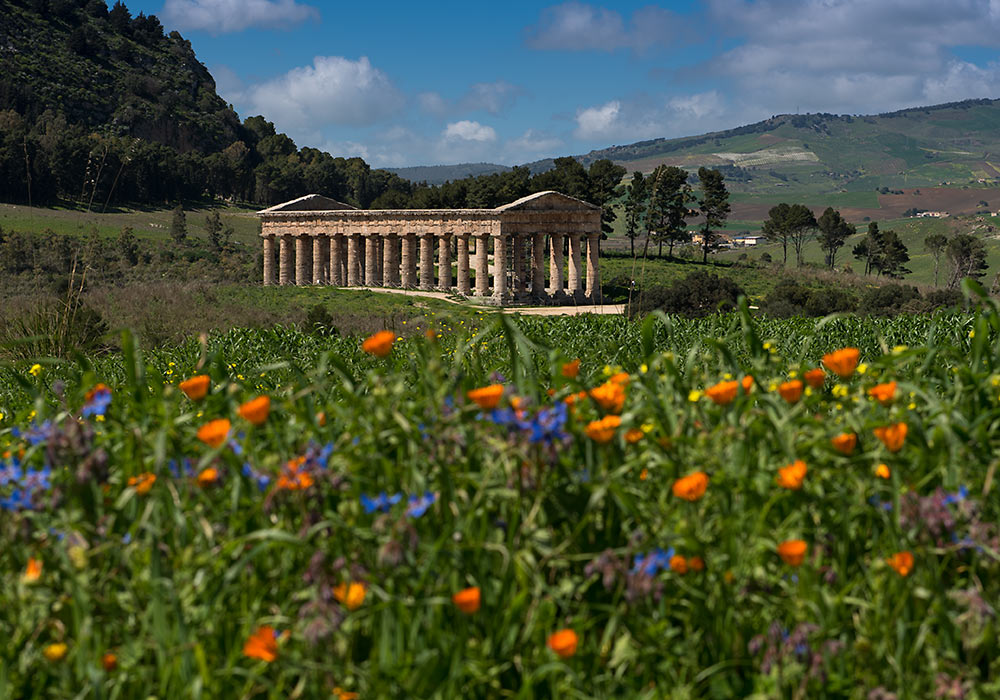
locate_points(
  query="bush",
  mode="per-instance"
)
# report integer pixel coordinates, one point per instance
(790, 298)
(698, 294)
(320, 322)
(890, 300)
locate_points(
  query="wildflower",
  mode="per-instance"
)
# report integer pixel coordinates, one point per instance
(196, 388)
(262, 644)
(791, 391)
(293, 477)
(109, 661)
(691, 487)
(467, 600)
(696, 564)
(902, 562)
(793, 552)
(633, 435)
(215, 432)
(620, 378)
(379, 344)
(262, 480)
(747, 383)
(487, 397)
(644, 474)
(381, 502)
(96, 401)
(678, 564)
(55, 652)
(792, 475)
(610, 396)
(570, 370)
(649, 565)
(208, 477)
(352, 595)
(563, 643)
(256, 410)
(842, 362)
(815, 377)
(602, 431)
(723, 392)
(883, 393)
(35, 370)
(882, 471)
(892, 436)
(33, 571)
(342, 694)
(142, 483)
(694, 396)
(844, 443)
(418, 505)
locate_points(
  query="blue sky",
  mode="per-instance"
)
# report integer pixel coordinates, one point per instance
(448, 82)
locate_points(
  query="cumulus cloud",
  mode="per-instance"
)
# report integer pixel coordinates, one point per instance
(225, 16)
(466, 130)
(576, 26)
(333, 90)
(494, 98)
(643, 117)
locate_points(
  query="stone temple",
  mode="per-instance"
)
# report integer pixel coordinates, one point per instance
(515, 253)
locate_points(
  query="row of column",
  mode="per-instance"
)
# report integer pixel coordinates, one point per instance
(390, 260)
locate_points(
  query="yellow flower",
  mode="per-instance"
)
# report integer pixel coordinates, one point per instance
(972, 333)
(841, 390)
(55, 652)
(643, 368)
(899, 349)
(35, 370)
(862, 368)
(694, 396)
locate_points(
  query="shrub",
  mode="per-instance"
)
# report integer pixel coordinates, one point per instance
(890, 299)
(790, 298)
(320, 322)
(698, 294)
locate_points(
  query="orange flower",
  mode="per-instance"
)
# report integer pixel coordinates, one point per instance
(883, 393)
(93, 392)
(571, 369)
(573, 398)
(352, 595)
(292, 479)
(792, 475)
(842, 362)
(262, 644)
(563, 643)
(109, 661)
(902, 562)
(208, 477)
(892, 436)
(215, 432)
(723, 392)
(33, 571)
(882, 471)
(321, 418)
(142, 483)
(644, 474)
(620, 378)
(633, 435)
(610, 396)
(467, 600)
(678, 564)
(196, 387)
(815, 378)
(487, 397)
(793, 552)
(747, 383)
(691, 487)
(256, 410)
(603, 430)
(342, 694)
(379, 344)
(696, 564)
(791, 391)
(844, 443)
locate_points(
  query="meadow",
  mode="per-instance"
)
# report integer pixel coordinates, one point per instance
(491, 506)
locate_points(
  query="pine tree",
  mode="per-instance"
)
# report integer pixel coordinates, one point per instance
(713, 206)
(833, 232)
(636, 198)
(178, 225)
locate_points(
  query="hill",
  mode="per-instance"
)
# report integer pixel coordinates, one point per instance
(440, 174)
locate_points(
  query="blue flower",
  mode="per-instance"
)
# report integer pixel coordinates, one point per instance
(381, 502)
(262, 480)
(653, 562)
(419, 504)
(958, 496)
(17, 500)
(98, 402)
(40, 433)
(34, 480)
(11, 473)
(184, 469)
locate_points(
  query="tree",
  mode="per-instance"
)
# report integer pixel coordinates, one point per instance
(801, 225)
(713, 206)
(128, 246)
(967, 257)
(893, 256)
(775, 228)
(120, 17)
(178, 225)
(636, 198)
(869, 248)
(833, 231)
(936, 244)
(605, 185)
(214, 227)
(670, 195)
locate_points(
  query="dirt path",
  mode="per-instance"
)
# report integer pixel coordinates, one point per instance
(612, 309)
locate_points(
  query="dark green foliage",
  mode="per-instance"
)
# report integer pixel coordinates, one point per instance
(178, 225)
(894, 255)
(670, 195)
(936, 244)
(789, 223)
(833, 232)
(636, 204)
(869, 248)
(945, 299)
(319, 321)
(605, 179)
(791, 298)
(891, 299)
(713, 205)
(128, 246)
(699, 294)
(967, 258)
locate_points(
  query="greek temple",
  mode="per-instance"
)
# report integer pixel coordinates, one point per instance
(497, 255)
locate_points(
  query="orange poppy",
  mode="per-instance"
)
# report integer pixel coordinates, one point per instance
(892, 436)
(256, 410)
(196, 387)
(610, 396)
(815, 378)
(342, 694)
(352, 595)
(644, 474)
(215, 432)
(33, 571)
(467, 600)
(262, 644)
(633, 435)
(109, 661)
(844, 443)
(723, 392)
(790, 391)
(678, 564)
(842, 362)
(142, 483)
(882, 471)
(603, 430)
(620, 378)
(793, 552)
(292, 479)
(563, 643)
(883, 393)
(379, 344)
(902, 562)
(573, 398)
(747, 383)
(207, 477)
(691, 487)
(487, 397)
(696, 564)
(792, 475)
(571, 369)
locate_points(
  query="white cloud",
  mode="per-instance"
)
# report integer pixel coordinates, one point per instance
(466, 130)
(641, 117)
(575, 26)
(494, 98)
(595, 122)
(334, 90)
(224, 16)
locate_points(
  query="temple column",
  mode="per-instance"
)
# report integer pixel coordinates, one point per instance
(594, 267)
(380, 257)
(482, 265)
(427, 261)
(318, 276)
(390, 260)
(342, 243)
(284, 260)
(575, 282)
(519, 272)
(444, 262)
(464, 285)
(336, 263)
(353, 260)
(538, 265)
(301, 261)
(268, 261)
(372, 276)
(556, 264)
(500, 268)
(409, 260)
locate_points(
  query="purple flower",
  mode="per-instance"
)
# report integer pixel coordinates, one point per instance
(381, 502)
(418, 505)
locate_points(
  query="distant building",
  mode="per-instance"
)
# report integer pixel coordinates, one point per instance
(932, 214)
(746, 241)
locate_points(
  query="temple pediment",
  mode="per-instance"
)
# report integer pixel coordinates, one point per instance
(310, 202)
(548, 201)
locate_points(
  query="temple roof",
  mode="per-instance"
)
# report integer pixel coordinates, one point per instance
(310, 202)
(540, 201)
(548, 200)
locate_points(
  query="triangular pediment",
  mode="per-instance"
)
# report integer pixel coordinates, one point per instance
(548, 201)
(310, 202)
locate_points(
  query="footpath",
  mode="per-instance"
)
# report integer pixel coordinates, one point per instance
(574, 310)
